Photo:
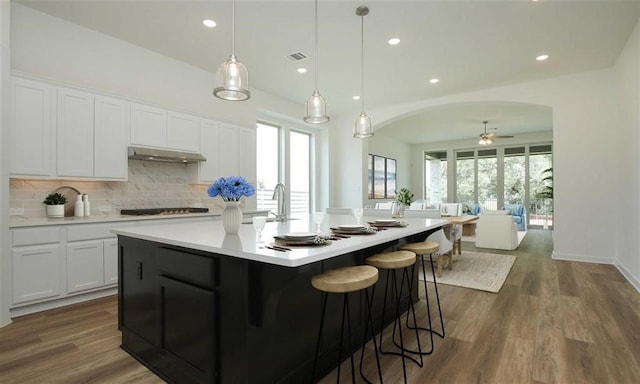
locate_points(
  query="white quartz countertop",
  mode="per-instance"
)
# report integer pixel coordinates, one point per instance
(210, 237)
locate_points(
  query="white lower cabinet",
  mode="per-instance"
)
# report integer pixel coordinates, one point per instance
(110, 261)
(36, 272)
(85, 265)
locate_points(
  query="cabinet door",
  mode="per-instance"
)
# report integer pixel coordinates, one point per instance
(207, 171)
(228, 150)
(182, 132)
(148, 126)
(110, 261)
(85, 265)
(31, 137)
(36, 272)
(247, 153)
(75, 133)
(111, 138)
(189, 327)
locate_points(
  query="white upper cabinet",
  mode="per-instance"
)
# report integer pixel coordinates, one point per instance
(183, 131)
(75, 133)
(111, 138)
(207, 171)
(31, 150)
(64, 132)
(148, 126)
(228, 150)
(160, 128)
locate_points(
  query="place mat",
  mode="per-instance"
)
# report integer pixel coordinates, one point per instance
(388, 224)
(301, 243)
(364, 231)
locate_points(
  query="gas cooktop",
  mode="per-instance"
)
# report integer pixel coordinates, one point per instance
(162, 211)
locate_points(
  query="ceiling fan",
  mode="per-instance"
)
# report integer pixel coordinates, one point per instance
(486, 138)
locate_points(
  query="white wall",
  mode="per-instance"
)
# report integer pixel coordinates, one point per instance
(586, 183)
(384, 145)
(5, 119)
(627, 73)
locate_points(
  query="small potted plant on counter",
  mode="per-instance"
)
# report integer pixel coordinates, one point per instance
(55, 204)
(404, 198)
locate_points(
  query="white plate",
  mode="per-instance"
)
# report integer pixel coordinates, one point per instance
(386, 221)
(300, 235)
(351, 227)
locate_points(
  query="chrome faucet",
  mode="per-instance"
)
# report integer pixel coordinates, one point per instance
(279, 194)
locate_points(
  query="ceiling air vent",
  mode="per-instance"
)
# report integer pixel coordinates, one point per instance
(296, 56)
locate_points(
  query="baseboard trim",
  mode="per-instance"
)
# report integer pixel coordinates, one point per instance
(635, 283)
(582, 258)
(43, 306)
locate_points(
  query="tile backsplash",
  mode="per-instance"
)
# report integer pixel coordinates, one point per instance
(150, 185)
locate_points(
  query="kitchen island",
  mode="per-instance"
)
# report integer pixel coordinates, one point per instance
(199, 306)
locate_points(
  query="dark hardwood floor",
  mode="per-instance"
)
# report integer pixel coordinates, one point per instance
(552, 322)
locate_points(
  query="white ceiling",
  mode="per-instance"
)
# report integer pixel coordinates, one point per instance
(468, 45)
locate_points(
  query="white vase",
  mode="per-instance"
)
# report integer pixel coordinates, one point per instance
(55, 210)
(231, 217)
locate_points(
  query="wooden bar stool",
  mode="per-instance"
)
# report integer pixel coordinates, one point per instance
(392, 261)
(421, 249)
(346, 280)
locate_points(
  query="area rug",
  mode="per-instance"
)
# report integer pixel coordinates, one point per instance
(475, 270)
(521, 235)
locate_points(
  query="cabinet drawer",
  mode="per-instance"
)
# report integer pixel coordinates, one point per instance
(93, 231)
(35, 236)
(187, 267)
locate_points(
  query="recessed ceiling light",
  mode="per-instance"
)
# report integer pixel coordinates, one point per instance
(356, 97)
(394, 41)
(209, 23)
(302, 70)
(433, 81)
(542, 57)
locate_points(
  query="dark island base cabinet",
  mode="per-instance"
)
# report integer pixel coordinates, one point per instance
(197, 317)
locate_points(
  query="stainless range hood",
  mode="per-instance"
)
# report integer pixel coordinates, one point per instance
(164, 155)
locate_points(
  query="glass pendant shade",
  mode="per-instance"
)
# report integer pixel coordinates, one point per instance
(316, 104)
(362, 129)
(316, 109)
(232, 80)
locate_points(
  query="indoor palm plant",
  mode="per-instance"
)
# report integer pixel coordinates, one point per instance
(55, 202)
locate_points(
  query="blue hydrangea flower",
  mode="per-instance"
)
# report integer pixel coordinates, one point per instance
(231, 188)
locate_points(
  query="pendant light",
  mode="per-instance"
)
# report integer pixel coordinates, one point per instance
(232, 79)
(316, 104)
(362, 128)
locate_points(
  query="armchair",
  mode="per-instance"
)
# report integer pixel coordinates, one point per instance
(497, 232)
(519, 215)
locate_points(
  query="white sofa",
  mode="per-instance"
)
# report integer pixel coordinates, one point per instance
(496, 231)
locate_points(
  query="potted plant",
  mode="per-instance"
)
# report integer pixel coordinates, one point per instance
(403, 200)
(55, 202)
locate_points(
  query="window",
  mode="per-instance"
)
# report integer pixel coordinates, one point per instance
(514, 175)
(299, 171)
(487, 179)
(493, 177)
(267, 165)
(435, 176)
(465, 177)
(381, 175)
(272, 167)
(540, 209)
